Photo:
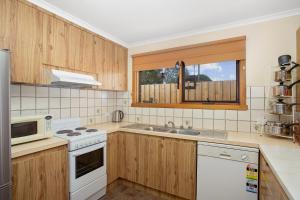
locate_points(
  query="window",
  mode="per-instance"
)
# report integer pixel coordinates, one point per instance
(155, 86)
(211, 82)
(210, 75)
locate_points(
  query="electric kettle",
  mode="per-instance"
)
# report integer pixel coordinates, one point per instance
(117, 116)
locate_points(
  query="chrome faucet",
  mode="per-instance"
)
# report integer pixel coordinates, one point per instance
(170, 122)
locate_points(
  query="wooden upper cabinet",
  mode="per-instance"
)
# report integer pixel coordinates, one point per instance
(99, 58)
(6, 8)
(40, 41)
(26, 46)
(120, 68)
(107, 74)
(54, 41)
(88, 56)
(74, 38)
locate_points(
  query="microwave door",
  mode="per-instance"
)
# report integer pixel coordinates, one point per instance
(24, 129)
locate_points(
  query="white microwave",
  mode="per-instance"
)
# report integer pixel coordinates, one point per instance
(30, 128)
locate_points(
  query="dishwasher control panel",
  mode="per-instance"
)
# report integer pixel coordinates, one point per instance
(229, 152)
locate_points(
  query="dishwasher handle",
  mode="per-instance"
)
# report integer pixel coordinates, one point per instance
(225, 156)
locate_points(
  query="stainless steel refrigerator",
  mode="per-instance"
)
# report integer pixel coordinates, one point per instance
(5, 154)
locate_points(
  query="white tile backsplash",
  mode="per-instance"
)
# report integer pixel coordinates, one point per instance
(42, 103)
(219, 114)
(97, 106)
(27, 91)
(208, 114)
(27, 103)
(244, 115)
(64, 103)
(54, 92)
(219, 124)
(231, 114)
(188, 113)
(257, 103)
(231, 125)
(15, 90)
(257, 92)
(15, 103)
(208, 123)
(42, 91)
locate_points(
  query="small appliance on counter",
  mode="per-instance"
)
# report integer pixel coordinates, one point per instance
(87, 158)
(117, 116)
(282, 104)
(30, 128)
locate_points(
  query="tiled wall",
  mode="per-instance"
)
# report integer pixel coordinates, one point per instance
(94, 106)
(231, 120)
(91, 106)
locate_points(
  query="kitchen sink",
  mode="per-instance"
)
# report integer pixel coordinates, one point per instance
(204, 133)
(185, 131)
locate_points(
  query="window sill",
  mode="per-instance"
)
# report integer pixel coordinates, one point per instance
(194, 106)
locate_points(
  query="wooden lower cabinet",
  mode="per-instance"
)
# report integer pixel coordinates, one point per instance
(165, 164)
(42, 175)
(112, 157)
(269, 187)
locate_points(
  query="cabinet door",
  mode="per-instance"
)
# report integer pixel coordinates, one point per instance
(107, 75)
(120, 68)
(7, 7)
(88, 58)
(180, 167)
(99, 58)
(165, 164)
(112, 157)
(269, 187)
(54, 41)
(26, 47)
(128, 154)
(42, 175)
(74, 47)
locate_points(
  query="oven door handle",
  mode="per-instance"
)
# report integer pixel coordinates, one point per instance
(88, 149)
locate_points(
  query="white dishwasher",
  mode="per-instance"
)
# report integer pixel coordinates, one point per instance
(227, 172)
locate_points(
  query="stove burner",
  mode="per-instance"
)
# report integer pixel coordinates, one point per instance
(91, 130)
(74, 134)
(80, 128)
(64, 131)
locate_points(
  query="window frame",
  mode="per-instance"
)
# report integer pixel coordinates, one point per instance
(213, 102)
(241, 105)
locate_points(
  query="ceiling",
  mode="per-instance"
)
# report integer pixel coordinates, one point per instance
(138, 21)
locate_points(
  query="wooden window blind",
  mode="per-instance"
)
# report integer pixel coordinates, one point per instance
(216, 51)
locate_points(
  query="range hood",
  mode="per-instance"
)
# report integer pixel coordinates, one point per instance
(72, 80)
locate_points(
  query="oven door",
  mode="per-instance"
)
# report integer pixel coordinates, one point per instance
(87, 165)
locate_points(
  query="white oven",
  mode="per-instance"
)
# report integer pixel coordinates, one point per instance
(87, 171)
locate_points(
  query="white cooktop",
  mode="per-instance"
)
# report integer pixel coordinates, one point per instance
(78, 136)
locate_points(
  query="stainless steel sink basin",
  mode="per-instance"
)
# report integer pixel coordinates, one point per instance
(185, 131)
(204, 133)
(158, 129)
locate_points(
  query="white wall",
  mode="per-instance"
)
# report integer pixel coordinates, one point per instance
(265, 42)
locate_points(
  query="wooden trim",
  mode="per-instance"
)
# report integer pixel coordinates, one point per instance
(191, 46)
(215, 106)
(231, 49)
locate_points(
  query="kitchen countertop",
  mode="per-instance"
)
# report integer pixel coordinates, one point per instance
(36, 146)
(285, 164)
(282, 155)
